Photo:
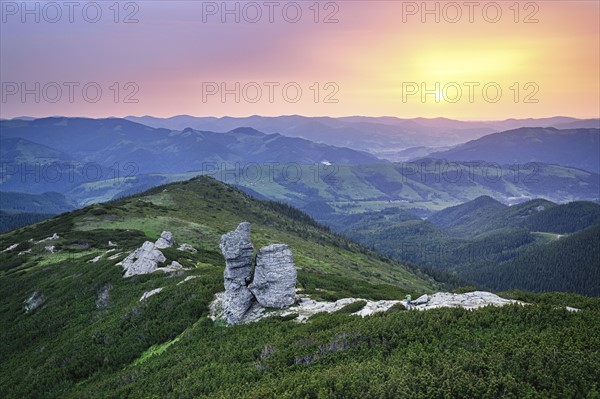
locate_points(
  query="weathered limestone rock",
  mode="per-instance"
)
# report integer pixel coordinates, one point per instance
(148, 294)
(165, 240)
(34, 301)
(51, 238)
(307, 307)
(187, 247)
(468, 300)
(237, 250)
(274, 283)
(143, 260)
(11, 247)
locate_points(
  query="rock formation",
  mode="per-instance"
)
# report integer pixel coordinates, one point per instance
(187, 247)
(274, 283)
(143, 260)
(237, 250)
(51, 238)
(148, 294)
(34, 301)
(307, 307)
(165, 240)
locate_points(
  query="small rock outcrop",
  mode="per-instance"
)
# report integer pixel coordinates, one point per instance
(10, 248)
(148, 294)
(187, 247)
(468, 300)
(103, 299)
(143, 260)
(237, 250)
(34, 301)
(274, 283)
(165, 240)
(51, 238)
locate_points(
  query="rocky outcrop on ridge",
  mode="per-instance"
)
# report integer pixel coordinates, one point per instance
(237, 250)
(274, 283)
(165, 240)
(305, 307)
(143, 260)
(146, 259)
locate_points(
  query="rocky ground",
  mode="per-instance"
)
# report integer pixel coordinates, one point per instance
(305, 307)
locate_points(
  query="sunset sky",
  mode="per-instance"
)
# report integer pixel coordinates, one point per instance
(376, 58)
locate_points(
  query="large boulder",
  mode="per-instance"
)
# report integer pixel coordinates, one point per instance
(274, 283)
(237, 250)
(143, 260)
(165, 240)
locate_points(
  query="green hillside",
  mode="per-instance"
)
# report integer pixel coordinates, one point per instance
(92, 337)
(35, 203)
(536, 245)
(563, 264)
(20, 209)
(75, 334)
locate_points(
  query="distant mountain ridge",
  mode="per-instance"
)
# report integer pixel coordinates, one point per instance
(103, 159)
(579, 148)
(386, 137)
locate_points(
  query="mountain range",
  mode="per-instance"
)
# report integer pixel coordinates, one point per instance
(578, 148)
(385, 137)
(91, 160)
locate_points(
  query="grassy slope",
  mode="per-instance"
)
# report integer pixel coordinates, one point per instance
(74, 336)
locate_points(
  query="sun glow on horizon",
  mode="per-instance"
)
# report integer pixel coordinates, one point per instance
(361, 63)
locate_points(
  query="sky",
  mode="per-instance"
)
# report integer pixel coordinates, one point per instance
(462, 60)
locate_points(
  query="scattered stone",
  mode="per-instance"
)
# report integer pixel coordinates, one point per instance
(187, 247)
(27, 251)
(274, 283)
(111, 244)
(570, 309)
(110, 250)
(143, 260)
(96, 259)
(11, 248)
(188, 278)
(103, 299)
(52, 238)
(423, 299)
(175, 265)
(148, 294)
(237, 250)
(165, 240)
(34, 301)
(50, 248)
(115, 256)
